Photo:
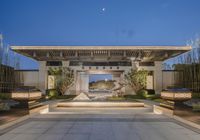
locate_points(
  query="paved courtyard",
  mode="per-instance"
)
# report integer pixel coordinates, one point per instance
(99, 124)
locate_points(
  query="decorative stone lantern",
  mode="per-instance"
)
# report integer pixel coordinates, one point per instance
(175, 97)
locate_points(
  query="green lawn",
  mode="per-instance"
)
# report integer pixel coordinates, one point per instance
(125, 98)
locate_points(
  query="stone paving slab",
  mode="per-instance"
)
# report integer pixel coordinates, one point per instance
(142, 126)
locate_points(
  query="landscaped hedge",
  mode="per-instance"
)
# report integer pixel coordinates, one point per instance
(150, 91)
(142, 93)
(66, 96)
(147, 94)
(52, 93)
(196, 95)
(5, 96)
(133, 97)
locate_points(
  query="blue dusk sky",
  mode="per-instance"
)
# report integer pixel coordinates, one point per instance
(98, 22)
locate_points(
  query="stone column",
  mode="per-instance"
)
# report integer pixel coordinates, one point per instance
(122, 79)
(135, 64)
(42, 76)
(65, 63)
(85, 82)
(77, 82)
(158, 76)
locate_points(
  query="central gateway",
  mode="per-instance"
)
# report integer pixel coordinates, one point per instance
(94, 81)
(92, 60)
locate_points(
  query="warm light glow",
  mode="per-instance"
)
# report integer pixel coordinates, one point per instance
(100, 104)
(26, 96)
(176, 95)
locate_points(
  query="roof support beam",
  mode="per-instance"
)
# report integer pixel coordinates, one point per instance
(76, 53)
(34, 54)
(124, 54)
(115, 53)
(47, 54)
(109, 56)
(92, 54)
(61, 54)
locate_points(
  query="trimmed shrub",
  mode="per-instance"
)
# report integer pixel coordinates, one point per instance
(151, 91)
(174, 87)
(153, 97)
(147, 94)
(66, 96)
(142, 93)
(115, 98)
(5, 96)
(196, 95)
(196, 107)
(133, 97)
(52, 93)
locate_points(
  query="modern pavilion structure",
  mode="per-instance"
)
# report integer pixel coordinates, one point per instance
(87, 60)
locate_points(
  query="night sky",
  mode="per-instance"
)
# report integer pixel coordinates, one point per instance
(98, 22)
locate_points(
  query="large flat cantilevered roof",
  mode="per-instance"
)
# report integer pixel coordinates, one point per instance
(143, 53)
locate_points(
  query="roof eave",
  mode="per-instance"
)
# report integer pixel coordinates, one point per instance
(184, 48)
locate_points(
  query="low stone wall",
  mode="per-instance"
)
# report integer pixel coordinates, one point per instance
(162, 110)
(170, 113)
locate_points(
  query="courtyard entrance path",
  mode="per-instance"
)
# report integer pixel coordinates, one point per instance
(100, 124)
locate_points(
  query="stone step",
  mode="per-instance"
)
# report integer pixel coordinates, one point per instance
(100, 104)
(100, 111)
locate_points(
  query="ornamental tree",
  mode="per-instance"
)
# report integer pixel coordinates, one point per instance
(136, 79)
(64, 78)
